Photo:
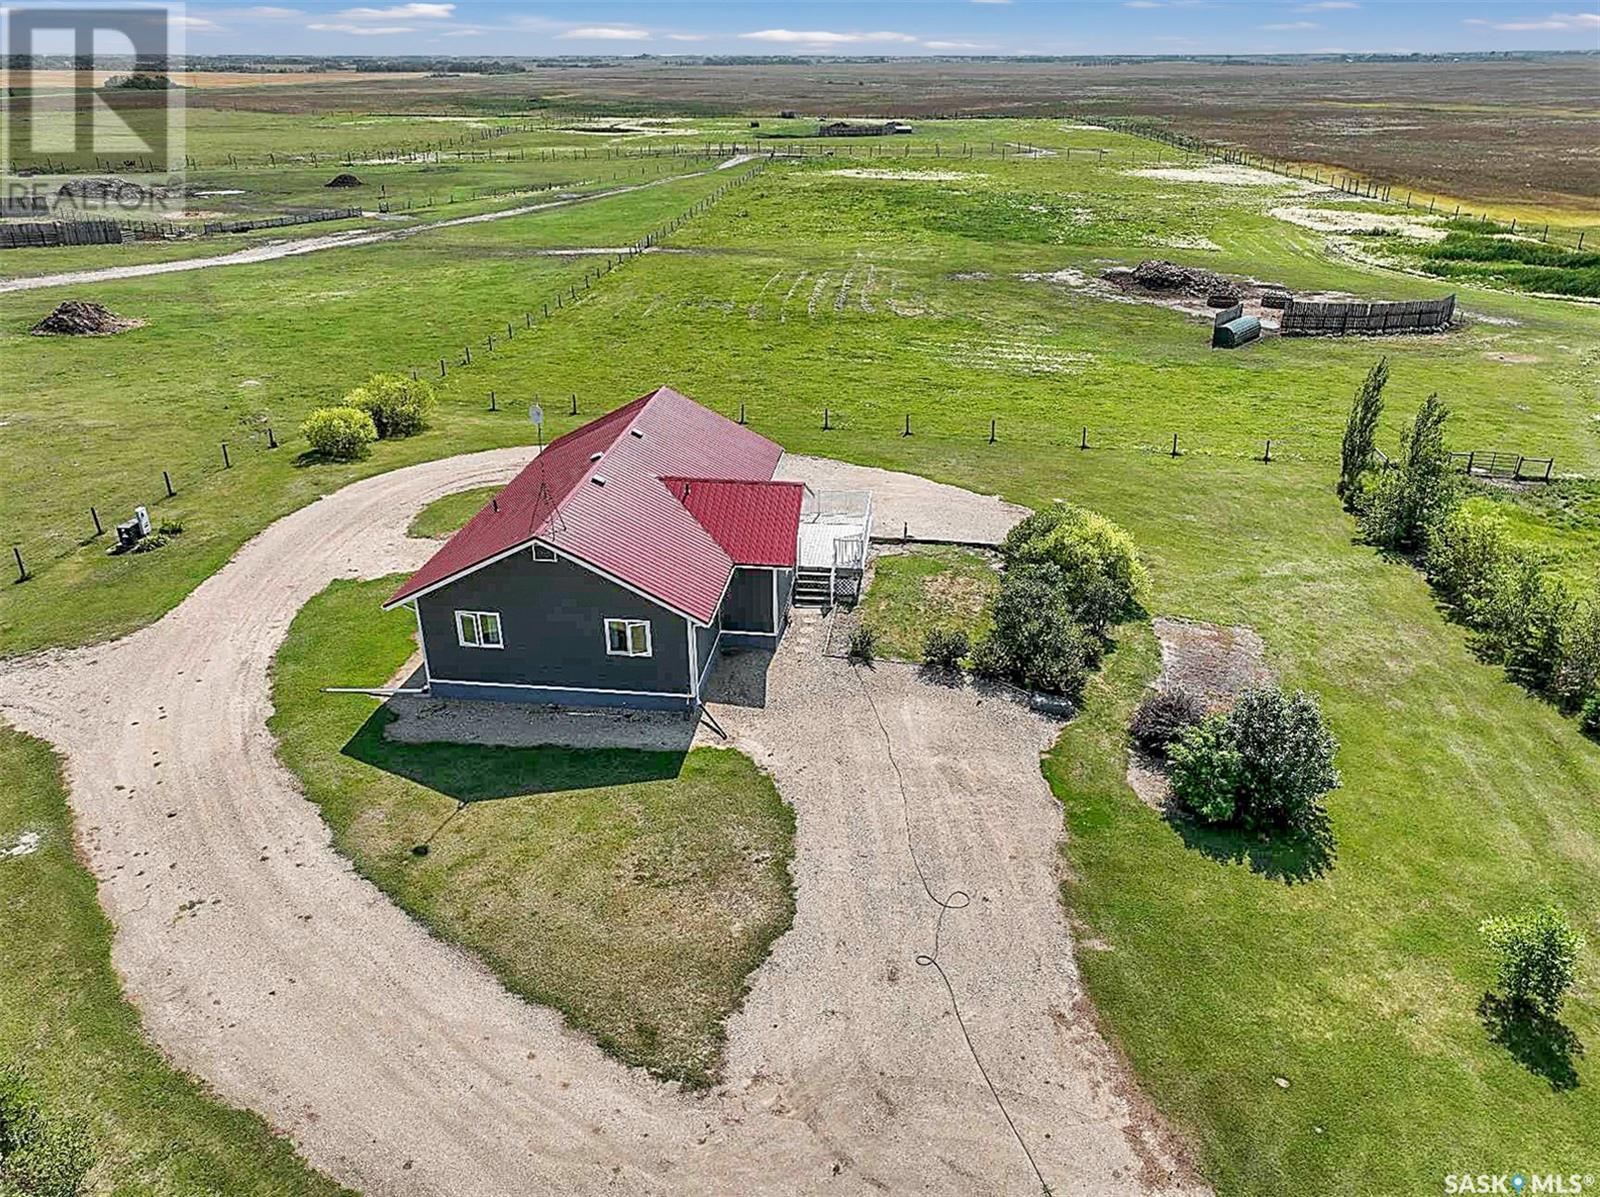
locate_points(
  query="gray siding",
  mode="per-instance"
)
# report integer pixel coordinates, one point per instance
(747, 607)
(706, 643)
(552, 618)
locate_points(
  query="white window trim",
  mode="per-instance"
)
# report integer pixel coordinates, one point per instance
(627, 636)
(476, 618)
(543, 552)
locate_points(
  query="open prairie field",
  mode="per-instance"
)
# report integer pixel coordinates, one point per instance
(938, 305)
(1519, 130)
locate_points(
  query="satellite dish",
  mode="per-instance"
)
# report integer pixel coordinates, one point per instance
(536, 414)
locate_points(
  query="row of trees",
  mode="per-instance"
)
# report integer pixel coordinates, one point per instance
(1528, 617)
(386, 406)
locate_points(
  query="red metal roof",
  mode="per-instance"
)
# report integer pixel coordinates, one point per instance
(756, 523)
(628, 525)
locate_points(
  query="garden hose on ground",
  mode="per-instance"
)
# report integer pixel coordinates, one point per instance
(956, 899)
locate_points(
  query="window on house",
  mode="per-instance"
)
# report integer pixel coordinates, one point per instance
(628, 637)
(543, 552)
(479, 629)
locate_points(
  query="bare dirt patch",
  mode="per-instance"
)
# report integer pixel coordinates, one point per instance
(1355, 221)
(1221, 174)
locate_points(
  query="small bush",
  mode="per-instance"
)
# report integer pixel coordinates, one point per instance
(1536, 957)
(1267, 763)
(863, 644)
(340, 433)
(1162, 717)
(170, 527)
(1590, 718)
(1034, 641)
(41, 1155)
(944, 648)
(1206, 773)
(1100, 574)
(399, 406)
(149, 544)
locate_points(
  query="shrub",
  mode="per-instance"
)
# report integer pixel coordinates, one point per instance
(1590, 717)
(170, 527)
(1410, 500)
(1575, 682)
(399, 406)
(943, 648)
(1267, 763)
(1467, 557)
(1101, 576)
(1206, 772)
(341, 433)
(149, 544)
(1361, 430)
(41, 1155)
(1163, 716)
(1034, 641)
(863, 644)
(1536, 956)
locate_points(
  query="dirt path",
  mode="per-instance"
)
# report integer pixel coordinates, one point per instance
(400, 1066)
(272, 250)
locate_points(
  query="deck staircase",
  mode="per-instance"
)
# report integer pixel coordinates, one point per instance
(835, 528)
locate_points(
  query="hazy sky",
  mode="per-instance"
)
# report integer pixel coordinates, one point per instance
(954, 26)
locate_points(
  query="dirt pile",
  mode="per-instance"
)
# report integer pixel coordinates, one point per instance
(82, 318)
(1157, 274)
(344, 180)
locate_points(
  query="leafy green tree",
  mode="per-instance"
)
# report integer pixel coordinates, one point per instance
(41, 1154)
(1414, 497)
(399, 405)
(1536, 957)
(1468, 557)
(1266, 763)
(1361, 429)
(340, 433)
(1101, 577)
(1034, 641)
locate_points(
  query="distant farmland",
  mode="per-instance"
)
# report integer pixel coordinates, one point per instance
(1524, 130)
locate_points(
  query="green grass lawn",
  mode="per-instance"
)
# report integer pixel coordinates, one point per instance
(156, 1132)
(925, 587)
(443, 516)
(633, 891)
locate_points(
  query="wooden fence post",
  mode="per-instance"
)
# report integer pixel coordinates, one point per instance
(95, 516)
(226, 464)
(492, 407)
(1174, 444)
(22, 570)
(272, 441)
(167, 478)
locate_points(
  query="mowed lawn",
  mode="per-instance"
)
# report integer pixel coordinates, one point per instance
(951, 300)
(63, 1017)
(633, 891)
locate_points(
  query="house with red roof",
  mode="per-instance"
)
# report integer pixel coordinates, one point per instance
(611, 570)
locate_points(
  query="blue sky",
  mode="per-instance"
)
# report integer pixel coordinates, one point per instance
(467, 27)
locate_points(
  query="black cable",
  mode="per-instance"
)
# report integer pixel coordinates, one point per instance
(957, 899)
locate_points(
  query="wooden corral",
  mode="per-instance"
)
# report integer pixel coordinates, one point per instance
(1302, 318)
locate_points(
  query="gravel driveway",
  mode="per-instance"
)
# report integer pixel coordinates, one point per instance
(398, 1065)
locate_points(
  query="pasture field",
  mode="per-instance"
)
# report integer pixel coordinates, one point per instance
(959, 292)
(1512, 130)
